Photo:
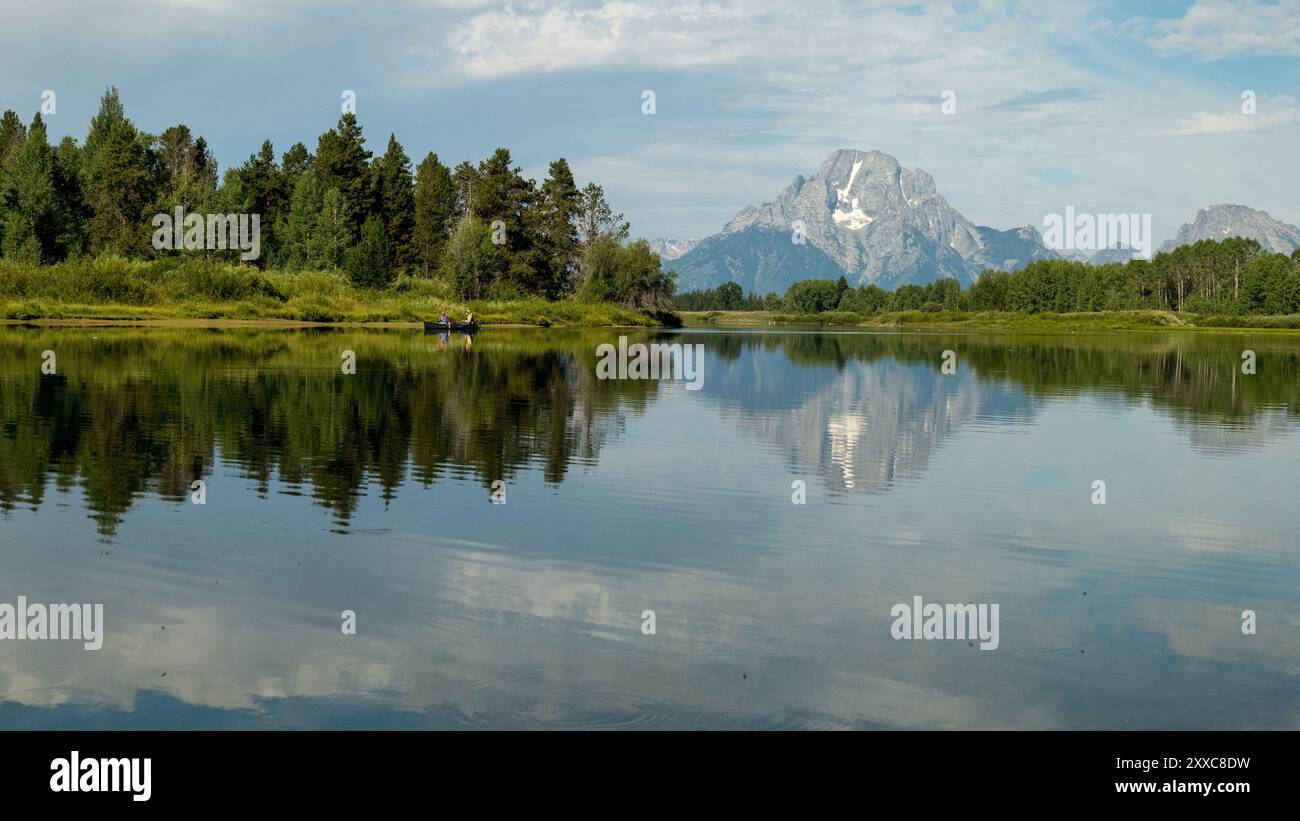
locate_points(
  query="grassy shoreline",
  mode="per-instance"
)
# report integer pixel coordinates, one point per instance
(1106, 321)
(116, 290)
(519, 313)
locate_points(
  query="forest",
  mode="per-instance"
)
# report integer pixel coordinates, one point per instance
(1232, 276)
(485, 231)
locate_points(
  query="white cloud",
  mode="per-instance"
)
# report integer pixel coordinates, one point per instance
(547, 37)
(917, 109)
(1218, 29)
(1272, 112)
(750, 92)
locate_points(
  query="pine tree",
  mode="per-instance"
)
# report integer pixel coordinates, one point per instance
(502, 201)
(332, 234)
(70, 230)
(304, 208)
(118, 175)
(596, 221)
(290, 251)
(342, 162)
(187, 173)
(297, 160)
(369, 263)
(258, 188)
(435, 203)
(397, 203)
(110, 117)
(31, 223)
(557, 213)
(12, 136)
(464, 180)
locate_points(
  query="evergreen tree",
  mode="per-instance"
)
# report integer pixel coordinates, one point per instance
(70, 231)
(257, 187)
(291, 231)
(111, 116)
(464, 181)
(596, 221)
(342, 162)
(332, 233)
(369, 263)
(12, 136)
(435, 204)
(187, 172)
(557, 214)
(118, 174)
(32, 208)
(503, 199)
(296, 236)
(397, 203)
(297, 160)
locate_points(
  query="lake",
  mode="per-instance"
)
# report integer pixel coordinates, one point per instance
(500, 523)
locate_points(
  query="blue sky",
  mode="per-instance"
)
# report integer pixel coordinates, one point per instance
(1109, 107)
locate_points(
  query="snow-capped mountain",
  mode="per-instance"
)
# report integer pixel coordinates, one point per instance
(669, 249)
(862, 216)
(1221, 221)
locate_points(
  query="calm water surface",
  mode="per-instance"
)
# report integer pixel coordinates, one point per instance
(372, 493)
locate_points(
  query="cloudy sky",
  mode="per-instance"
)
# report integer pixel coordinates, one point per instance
(1109, 107)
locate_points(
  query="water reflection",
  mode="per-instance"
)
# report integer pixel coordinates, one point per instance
(860, 428)
(627, 496)
(131, 412)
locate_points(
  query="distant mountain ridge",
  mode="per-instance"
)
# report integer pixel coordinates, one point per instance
(1221, 221)
(670, 249)
(863, 216)
(866, 218)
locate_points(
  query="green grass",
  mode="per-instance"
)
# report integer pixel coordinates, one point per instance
(1003, 320)
(111, 287)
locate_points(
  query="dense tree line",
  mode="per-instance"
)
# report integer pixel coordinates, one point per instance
(486, 229)
(1232, 276)
(728, 296)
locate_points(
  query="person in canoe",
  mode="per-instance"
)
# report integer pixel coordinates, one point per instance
(469, 317)
(444, 319)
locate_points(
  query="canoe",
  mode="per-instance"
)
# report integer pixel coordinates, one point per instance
(458, 327)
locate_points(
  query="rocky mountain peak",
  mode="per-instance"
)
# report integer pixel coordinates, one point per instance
(1219, 222)
(862, 215)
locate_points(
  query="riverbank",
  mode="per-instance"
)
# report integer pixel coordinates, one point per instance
(116, 291)
(999, 320)
(520, 313)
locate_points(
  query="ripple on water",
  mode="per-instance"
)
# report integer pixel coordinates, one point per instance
(529, 702)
